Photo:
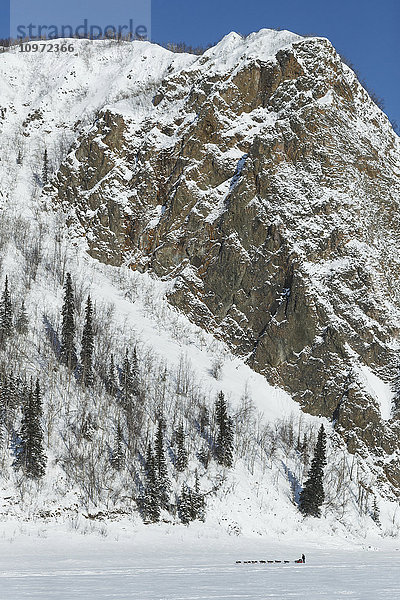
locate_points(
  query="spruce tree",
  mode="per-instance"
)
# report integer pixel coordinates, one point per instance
(4, 403)
(375, 512)
(191, 504)
(135, 374)
(89, 427)
(22, 321)
(9, 398)
(19, 158)
(304, 450)
(161, 466)
(30, 456)
(204, 419)
(68, 352)
(225, 433)
(151, 500)
(45, 168)
(117, 459)
(37, 400)
(204, 455)
(128, 387)
(181, 460)
(312, 496)
(185, 509)
(111, 380)
(87, 346)
(5, 312)
(198, 501)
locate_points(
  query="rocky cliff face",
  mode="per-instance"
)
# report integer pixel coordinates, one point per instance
(263, 183)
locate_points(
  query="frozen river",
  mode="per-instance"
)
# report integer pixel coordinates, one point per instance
(169, 568)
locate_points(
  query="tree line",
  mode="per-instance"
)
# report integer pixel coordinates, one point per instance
(122, 383)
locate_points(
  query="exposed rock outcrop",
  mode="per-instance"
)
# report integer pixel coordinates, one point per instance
(268, 190)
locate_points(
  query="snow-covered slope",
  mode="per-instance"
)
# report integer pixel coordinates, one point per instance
(148, 151)
(182, 369)
(263, 183)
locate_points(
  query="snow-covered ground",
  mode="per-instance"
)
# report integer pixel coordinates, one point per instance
(200, 564)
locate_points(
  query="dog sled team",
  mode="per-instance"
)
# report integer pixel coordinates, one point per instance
(263, 562)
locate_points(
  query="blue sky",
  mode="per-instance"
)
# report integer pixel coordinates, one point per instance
(366, 32)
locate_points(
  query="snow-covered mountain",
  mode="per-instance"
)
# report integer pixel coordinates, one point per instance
(234, 217)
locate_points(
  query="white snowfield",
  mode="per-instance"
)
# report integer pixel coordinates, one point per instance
(190, 564)
(253, 515)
